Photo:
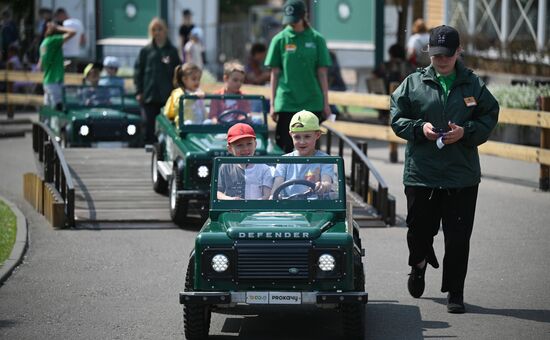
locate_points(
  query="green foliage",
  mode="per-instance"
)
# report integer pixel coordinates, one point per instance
(519, 96)
(8, 231)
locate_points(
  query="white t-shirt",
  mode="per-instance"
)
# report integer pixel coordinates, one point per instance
(71, 48)
(193, 51)
(257, 176)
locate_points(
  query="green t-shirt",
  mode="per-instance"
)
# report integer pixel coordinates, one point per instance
(51, 54)
(446, 82)
(298, 56)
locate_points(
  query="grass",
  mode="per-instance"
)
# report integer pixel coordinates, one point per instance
(8, 231)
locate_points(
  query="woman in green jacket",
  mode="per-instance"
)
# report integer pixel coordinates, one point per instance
(153, 73)
(444, 112)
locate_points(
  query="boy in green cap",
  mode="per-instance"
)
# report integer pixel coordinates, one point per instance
(305, 131)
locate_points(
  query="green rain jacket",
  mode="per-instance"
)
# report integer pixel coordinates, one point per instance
(420, 99)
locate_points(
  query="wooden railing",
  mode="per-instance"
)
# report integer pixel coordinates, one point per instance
(535, 118)
(57, 201)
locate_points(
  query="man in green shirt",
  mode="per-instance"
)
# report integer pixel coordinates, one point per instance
(299, 59)
(51, 62)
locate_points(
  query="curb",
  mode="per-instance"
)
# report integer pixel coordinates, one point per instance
(20, 245)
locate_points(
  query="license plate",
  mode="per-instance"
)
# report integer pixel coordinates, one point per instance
(274, 298)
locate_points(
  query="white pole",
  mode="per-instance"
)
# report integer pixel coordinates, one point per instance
(504, 23)
(471, 23)
(541, 25)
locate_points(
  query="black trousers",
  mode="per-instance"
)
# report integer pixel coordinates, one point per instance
(282, 137)
(150, 111)
(454, 210)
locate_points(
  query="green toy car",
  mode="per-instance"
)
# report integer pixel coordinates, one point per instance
(181, 162)
(296, 248)
(93, 115)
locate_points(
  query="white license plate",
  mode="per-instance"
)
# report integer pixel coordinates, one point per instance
(274, 298)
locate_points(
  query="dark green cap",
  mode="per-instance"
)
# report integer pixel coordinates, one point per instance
(294, 11)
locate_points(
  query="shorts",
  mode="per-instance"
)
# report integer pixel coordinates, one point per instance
(53, 94)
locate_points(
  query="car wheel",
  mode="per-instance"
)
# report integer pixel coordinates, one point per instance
(196, 318)
(353, 314)
(160, 185)
(178, 205)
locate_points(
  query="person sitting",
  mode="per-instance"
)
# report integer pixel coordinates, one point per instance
(187, 78)
(111, 65)
(233, 78)
(243, 181)
(305, 131)
(93, 95)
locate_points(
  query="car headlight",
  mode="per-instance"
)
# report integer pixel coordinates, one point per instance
(326, 262)
(84, 130)
(220, 263)
(202, 171)
(131, 129)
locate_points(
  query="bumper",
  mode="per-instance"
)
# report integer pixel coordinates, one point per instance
(307, 298)
(200, 195)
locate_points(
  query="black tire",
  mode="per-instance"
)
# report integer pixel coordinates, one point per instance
(353, 314)
(178, 205)
(196, 318)
(160, 185)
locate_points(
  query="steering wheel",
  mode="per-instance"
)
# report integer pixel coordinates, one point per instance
(288, 183)
(232, 115)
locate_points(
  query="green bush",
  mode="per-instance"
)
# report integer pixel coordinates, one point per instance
(519, 96)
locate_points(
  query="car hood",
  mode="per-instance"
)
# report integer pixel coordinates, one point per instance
(99, 113)
(275, 225)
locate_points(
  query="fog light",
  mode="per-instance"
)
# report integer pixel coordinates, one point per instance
(326, 262)
(220, 263)
(131, 129)
(202, 171)
(84, 130)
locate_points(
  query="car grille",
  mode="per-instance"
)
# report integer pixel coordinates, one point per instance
(273, 260)
(108, 130)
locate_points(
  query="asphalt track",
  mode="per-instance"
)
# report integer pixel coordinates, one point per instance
(121, 281)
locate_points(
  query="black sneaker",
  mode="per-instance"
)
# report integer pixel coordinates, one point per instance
(416, 284)
(455, 303)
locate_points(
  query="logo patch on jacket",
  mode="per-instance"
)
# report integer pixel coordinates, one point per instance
(290, 47)
(470, 101)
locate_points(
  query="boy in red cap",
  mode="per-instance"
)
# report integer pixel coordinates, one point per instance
(243, 181)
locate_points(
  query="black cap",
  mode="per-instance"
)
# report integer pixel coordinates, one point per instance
(444, 40)
(294, 11)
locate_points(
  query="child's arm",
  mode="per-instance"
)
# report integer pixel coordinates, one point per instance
(325, 185)
(266, 192)
(221, 196)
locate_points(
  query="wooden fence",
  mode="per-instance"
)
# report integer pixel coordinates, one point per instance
(534, 118)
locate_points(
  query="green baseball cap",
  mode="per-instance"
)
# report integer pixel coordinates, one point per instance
(293, 10)
(304, 121)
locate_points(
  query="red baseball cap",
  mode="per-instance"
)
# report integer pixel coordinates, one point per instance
(238, 131)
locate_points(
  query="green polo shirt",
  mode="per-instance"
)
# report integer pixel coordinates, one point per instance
(446, 83)
(51, 56)
(298, 55)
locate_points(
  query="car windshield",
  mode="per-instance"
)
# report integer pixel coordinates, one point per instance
(222, 110)
(93, 96)
(279, 180)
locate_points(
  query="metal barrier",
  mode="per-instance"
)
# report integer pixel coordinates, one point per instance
(55, 168)
(359, 178)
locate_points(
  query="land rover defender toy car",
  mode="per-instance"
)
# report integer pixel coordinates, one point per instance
(92, 115)
(181, 162)
(297, 248)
